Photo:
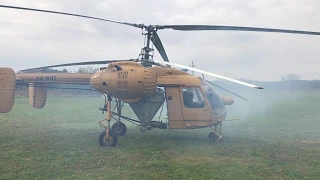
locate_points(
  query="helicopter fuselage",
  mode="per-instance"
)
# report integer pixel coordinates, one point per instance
(145, 90)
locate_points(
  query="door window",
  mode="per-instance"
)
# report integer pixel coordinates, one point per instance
(192, 98)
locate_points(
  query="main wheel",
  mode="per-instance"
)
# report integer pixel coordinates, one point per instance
(111, 141)
(119, 128)
(213, 136)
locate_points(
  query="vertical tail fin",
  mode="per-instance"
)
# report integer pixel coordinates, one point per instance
(7, 89)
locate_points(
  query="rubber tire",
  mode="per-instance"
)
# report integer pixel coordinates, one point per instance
(212, 136)
(103, 142)
(121, 131)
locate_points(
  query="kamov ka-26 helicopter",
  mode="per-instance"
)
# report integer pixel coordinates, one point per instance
(144, 83)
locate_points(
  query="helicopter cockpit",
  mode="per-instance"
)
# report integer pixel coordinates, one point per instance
(214, 98)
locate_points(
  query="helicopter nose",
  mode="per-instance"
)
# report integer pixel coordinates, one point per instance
(96, 81)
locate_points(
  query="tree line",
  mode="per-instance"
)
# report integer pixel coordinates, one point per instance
(50, 70)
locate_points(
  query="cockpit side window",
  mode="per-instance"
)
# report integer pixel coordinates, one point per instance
(213, 97)
(192, 98)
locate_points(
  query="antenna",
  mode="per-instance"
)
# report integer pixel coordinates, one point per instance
(192, 65)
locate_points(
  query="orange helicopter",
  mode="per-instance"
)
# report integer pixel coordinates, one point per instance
(144, 83)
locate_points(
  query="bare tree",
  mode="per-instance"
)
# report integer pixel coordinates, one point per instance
(87, 70)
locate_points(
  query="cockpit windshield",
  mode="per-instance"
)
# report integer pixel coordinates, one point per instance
(214, 98)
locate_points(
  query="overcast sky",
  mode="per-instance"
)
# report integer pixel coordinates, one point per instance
(31, 39)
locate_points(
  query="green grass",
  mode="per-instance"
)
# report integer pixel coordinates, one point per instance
(276, 138)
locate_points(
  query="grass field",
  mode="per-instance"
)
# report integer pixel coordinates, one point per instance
(278, 137)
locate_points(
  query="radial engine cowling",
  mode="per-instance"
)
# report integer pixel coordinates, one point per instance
(127, 81)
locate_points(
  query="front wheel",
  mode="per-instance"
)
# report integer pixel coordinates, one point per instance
(111, 141)
(213, 136)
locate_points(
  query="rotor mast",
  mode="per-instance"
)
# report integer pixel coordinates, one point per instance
(146, 56)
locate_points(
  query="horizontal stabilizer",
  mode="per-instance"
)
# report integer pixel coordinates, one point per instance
(7, 89)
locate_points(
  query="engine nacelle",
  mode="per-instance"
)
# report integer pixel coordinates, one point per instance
(37, 94)
(7, 89)
(127, 81)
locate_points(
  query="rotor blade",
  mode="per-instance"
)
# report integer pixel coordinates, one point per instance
(79, 63)
(157, 43)
(211, 74)
(70, 14)
(233, 28)
(213, 84)
(216, 85)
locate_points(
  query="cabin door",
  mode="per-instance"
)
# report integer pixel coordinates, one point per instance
(173, 98)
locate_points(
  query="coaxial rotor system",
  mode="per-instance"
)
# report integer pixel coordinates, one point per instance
(150, 31)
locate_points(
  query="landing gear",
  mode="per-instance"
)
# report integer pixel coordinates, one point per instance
(108, 137)
(217, 134)
(109, 141)
(119, 128)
